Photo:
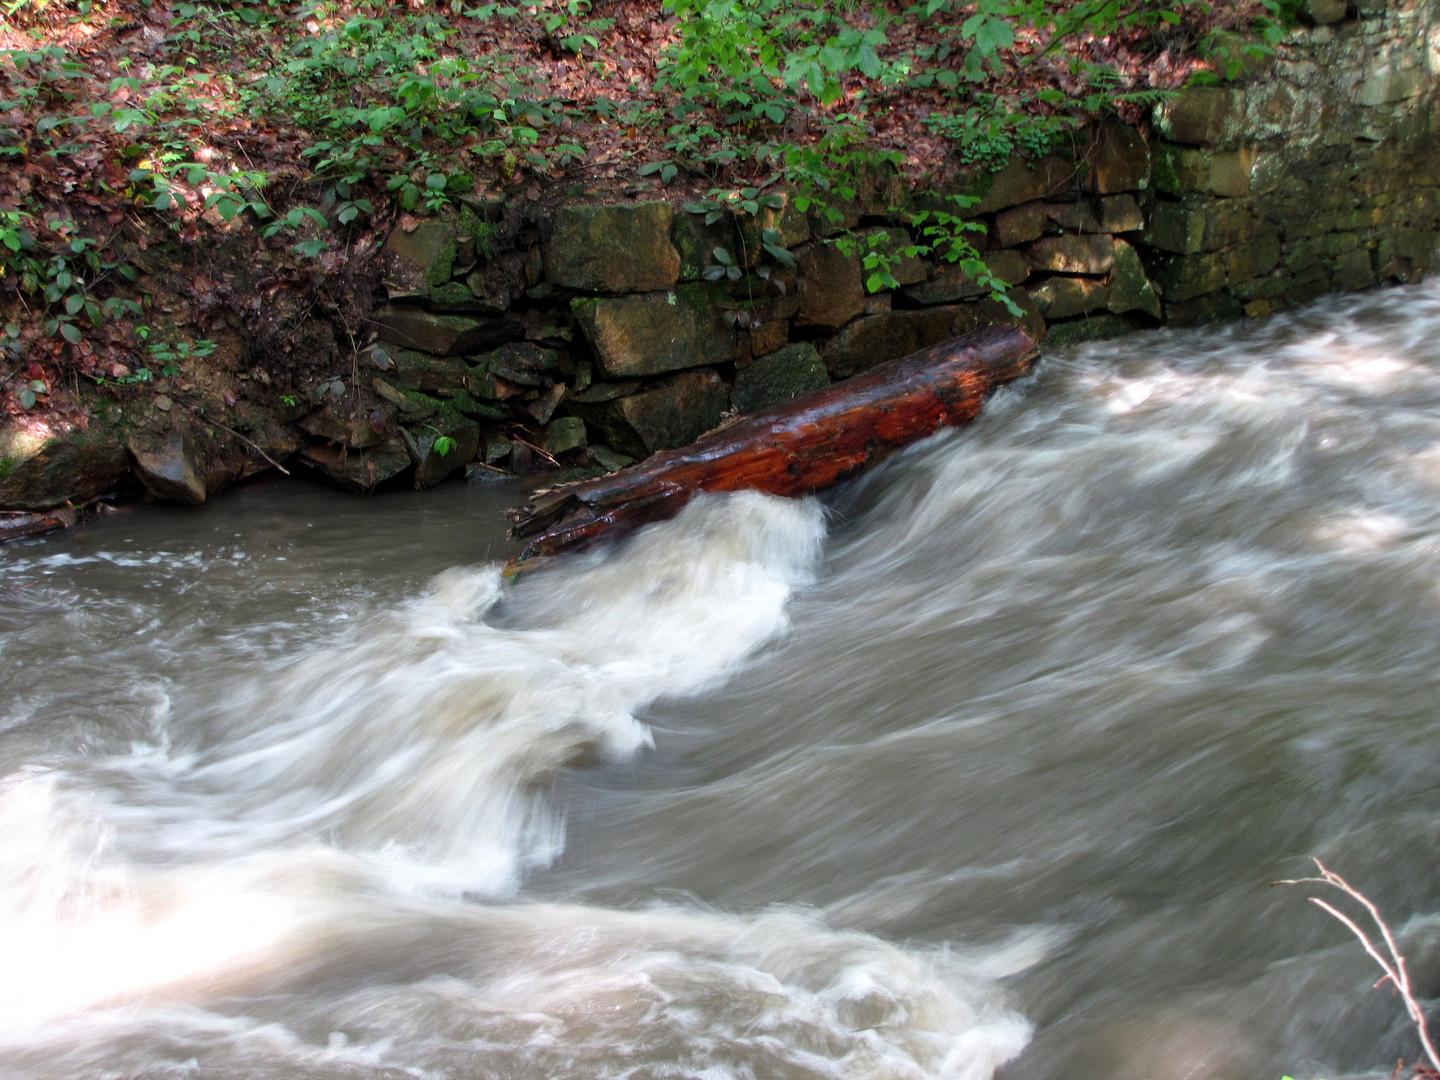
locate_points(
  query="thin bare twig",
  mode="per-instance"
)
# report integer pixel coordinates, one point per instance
(253, 445)
(1392, 965)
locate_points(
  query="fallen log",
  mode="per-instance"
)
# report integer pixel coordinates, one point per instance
(19, 524)
(795, 448)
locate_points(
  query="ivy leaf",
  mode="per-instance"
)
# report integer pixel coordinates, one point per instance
(71, 333)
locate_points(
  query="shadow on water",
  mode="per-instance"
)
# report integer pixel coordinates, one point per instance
(987, 757)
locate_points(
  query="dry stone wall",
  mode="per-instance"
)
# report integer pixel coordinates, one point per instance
(589, 335)
(1318, 172)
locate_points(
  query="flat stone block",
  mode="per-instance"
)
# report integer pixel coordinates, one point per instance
(1120, 160)
(615, 248)
(1356, 271)
(1322, 12)
(1217, 307)
(1130, 289)
(443, 335)
(1185, 170)
(831, 289)
(952, 283)
(1184, 277)
(1066, 297)
(1022, 181)
(779, 376)
(1203, 116)
(417, 261)
(651, 333)
(1085, 254)
(1253, 259)
(1020, 224)
(877, 338)
(667, 413)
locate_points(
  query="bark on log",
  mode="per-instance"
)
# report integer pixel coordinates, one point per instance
(795, 448)
(20, 524)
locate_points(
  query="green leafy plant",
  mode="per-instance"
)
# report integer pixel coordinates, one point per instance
(65, 276)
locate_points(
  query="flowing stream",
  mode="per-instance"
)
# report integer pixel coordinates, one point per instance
(982, 763)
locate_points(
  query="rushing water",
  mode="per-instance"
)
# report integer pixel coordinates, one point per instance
(987, 758)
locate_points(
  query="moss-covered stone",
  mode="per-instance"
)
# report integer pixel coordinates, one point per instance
(1100, 327)
(876, 338)
(792, 227)
(1356, 270)
(1215, 307)
(779, 376)
(1074, 254)
(466, 403)
(696, 242)
(1200, 223)
(1184, 277)
(169, 467)
(1066, 297)
(831, 289)
(652, 333)
(667, 413)
(609, 459)
(358, 470)
(1203, 116)
(442, 335)
(1186, 170)
(49, 471)
(1022, 181)
(442, 448)
(563, 435)
(612, 249)
(419, 260)
(1130, 289)
(524, 363)
(1253, 259)
(422, 371)
(951, 282)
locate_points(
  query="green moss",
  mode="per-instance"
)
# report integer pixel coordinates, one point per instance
(443, 266)
(483, 232)
(451, 294)
(7, 467)
(466, 403)
(419, 405)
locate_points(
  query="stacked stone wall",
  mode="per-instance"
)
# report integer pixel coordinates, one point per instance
(596, 332)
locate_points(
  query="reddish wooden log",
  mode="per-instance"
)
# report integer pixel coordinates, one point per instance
(795, 448)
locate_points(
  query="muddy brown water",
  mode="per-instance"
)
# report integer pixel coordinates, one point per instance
(983, 763)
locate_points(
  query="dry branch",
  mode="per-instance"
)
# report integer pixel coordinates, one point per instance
(1391, 962)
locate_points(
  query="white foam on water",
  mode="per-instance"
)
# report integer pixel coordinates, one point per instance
(424, 740)
(158, 903)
